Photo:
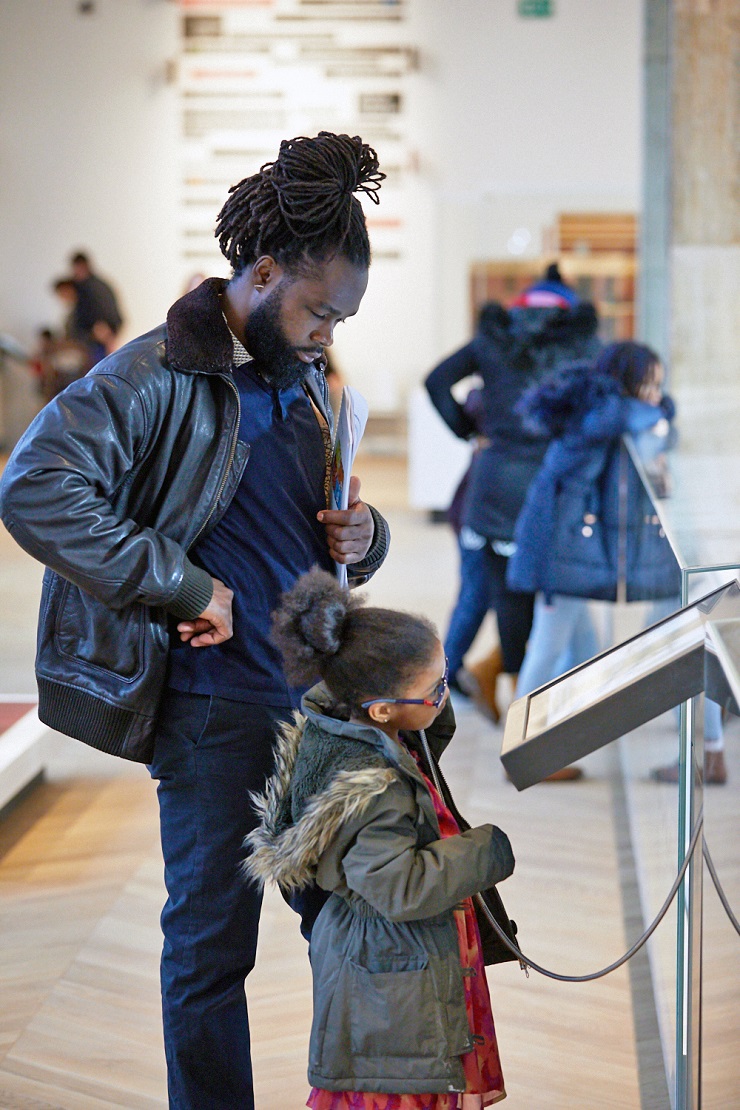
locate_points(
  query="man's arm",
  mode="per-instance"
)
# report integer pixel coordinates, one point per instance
(215, 623)
(57, 500)
(439, 383)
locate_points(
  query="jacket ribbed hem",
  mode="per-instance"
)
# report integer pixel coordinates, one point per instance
(193, 594)
(83, 716)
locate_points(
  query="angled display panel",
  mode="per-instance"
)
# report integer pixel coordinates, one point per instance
(722, 664)
(621, 689)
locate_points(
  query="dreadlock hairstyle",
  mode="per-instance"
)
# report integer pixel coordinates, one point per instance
(324, 631)
(302, 205)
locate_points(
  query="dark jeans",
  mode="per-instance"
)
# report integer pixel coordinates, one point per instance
(482, 587)
(209, 754)
(514, 613)
(473, 600)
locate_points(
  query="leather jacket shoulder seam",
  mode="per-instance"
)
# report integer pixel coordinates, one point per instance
(115, 373)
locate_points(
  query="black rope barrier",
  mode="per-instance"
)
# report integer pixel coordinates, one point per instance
(526, 962)
(718, 887)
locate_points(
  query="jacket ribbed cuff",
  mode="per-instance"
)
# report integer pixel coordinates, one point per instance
(193, 594)
(378, 549)
(502, 854)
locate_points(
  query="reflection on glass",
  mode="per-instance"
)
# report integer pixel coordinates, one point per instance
(615, 671)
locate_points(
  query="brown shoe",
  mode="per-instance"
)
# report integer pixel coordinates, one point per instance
(485, 674)
(565, 774)
(715, 770)
(667, 774)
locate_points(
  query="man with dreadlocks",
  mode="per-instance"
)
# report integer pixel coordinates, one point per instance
(174, 494)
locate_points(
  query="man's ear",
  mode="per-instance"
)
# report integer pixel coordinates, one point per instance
(266, 272)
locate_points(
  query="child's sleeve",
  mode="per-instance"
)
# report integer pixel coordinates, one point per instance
(386, 867)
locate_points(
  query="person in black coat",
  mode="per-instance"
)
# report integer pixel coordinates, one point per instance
(96, 318)
(512, 350)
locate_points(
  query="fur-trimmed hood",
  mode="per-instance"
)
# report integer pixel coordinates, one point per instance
(532, 339)
(327, 772)
(582, 401)
(575, 398)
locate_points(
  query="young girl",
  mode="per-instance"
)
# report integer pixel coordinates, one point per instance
(402, 1018)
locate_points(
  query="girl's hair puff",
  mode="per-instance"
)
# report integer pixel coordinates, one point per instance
(361, 652)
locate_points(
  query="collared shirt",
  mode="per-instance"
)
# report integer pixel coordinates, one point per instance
(241, 354)
(268, 536)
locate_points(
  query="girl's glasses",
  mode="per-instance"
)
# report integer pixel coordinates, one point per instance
(433, 703)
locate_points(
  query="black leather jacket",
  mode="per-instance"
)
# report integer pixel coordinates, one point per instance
(110, 486)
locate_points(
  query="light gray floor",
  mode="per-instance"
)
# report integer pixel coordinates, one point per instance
(557, 826)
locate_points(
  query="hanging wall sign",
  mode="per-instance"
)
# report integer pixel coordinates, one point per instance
(535, 9)
(253, 72)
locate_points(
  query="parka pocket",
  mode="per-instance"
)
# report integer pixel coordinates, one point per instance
(395, 1011)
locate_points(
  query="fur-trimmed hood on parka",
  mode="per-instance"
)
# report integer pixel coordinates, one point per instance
(575, 398)
(534, 340)
(327, 772)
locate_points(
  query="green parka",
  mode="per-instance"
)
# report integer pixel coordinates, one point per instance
(348, 808)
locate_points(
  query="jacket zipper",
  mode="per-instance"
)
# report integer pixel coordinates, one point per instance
(430, 761)
(229, 464)
(478, 897)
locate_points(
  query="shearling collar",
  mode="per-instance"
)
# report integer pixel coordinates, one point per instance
(286, 850)
(198, 338)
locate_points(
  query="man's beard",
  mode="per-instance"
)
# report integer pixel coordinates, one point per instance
(274, 357)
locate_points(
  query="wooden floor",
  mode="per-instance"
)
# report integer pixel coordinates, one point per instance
(81, 890)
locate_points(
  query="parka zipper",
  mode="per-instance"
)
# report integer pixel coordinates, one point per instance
(430, 761)
(478, 897)
(230, 463)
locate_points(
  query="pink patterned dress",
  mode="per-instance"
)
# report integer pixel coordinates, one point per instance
(484, 1081)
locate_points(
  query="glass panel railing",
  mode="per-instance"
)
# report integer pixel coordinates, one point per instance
(620, 695)
(697, 510)
(662, 692)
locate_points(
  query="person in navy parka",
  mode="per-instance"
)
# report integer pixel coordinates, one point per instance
(575, 536)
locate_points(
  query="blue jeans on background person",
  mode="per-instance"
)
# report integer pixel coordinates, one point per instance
(473, 600)
(562, 636)
(714, 739)
(714, 735)
(513, 609)
(210, 753)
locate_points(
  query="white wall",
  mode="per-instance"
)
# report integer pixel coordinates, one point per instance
(88, 150)
(515, 121)
(533, 117)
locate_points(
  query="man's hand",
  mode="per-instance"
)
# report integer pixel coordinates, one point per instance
(349, 532)
(214, 624)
